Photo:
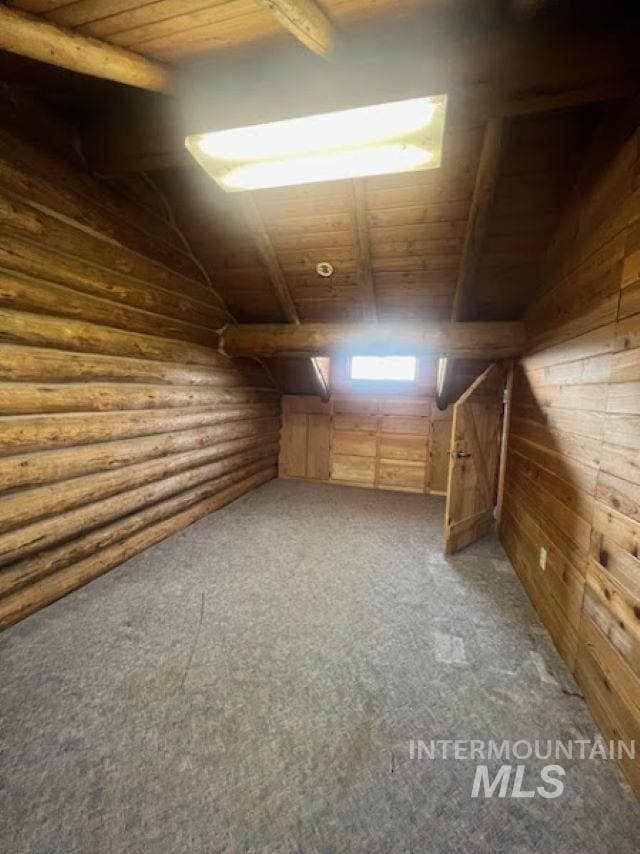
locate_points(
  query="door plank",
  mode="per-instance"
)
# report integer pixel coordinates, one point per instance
(474, 460)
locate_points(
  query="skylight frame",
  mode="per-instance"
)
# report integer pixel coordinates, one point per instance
(298, 151)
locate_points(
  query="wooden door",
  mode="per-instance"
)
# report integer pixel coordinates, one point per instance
(474, 460)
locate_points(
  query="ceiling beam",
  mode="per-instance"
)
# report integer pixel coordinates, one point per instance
(319, 381)
(269, 257)
(363, 251)
(477, 224)
(494, 340)
(306, 21)
(35, 38)
(479, 215)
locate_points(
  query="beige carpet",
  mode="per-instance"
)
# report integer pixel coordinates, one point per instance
(253, 684)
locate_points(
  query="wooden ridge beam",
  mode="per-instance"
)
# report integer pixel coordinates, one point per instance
(269, 256)
(35, 38)
(497, 340)
(304, 20)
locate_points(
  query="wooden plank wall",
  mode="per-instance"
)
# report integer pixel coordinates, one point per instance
(120, 423)
(384, 442)
(573, 469)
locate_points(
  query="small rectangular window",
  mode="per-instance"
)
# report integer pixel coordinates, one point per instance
(383, 368)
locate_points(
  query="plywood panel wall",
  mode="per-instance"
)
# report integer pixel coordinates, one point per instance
(376, 442)
(573, 471)
(120, 423)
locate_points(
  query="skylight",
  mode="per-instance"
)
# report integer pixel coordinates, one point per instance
(385, 368)
(403, 136)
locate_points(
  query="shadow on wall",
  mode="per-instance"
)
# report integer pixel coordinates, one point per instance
(545, 526)
(571, 517)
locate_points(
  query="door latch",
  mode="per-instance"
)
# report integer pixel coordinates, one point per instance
(461, 454)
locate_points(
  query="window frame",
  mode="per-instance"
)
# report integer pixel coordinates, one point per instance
(404, 381)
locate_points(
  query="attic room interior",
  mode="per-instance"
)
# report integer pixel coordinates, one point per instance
(320, 449)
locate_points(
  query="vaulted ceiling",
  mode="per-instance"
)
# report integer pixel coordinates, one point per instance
(414, 229)
(171, 30)
(401, 246)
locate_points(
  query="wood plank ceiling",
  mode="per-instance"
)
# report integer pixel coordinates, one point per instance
(415, 226)
(396, 242)
(171, 30)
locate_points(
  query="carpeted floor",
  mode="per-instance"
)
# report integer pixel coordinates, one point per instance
(253, 684)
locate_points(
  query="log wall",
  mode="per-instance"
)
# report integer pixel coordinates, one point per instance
(573, 470)
(120, 423)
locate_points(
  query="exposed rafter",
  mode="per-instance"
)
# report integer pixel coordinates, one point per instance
(479, 214)
(497, 340)
(306, 21)
(268, 254)
(363, 249)
(477, 224)
(29, 36)
(269, 257)
(319, 380)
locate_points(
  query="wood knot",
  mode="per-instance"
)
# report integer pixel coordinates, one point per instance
(603, 557)
(607, 593)
(636, 611)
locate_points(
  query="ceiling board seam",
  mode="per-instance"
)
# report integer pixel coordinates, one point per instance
(160, 36)
(182, 13)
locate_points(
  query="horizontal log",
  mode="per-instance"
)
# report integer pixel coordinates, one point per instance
(29, 505)
(61, 236)
(38, 364)
(49, 561)
(27, 398)
(53, 195)
(37, 39)
(40, 330)
(37, 261)
(143, 206)
(29, 599)
(20, 435)
(33, 469)
(20, 543)
(464, 340)
(23, 293)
